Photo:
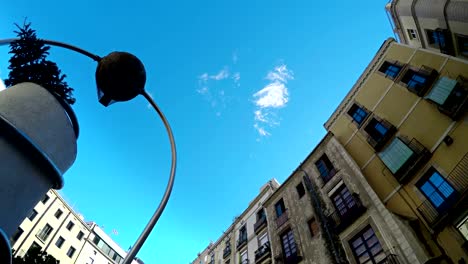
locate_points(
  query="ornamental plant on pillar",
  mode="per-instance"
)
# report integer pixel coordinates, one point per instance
(29, 64)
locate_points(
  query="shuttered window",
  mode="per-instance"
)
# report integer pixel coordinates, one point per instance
(441, 90)
(395, 155)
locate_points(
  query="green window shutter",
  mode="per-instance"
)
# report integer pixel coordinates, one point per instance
(395, 155)
(441, 90)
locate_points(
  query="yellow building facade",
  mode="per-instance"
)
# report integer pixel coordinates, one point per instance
(404, 122)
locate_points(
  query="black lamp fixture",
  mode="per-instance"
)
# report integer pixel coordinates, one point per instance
(121, 76)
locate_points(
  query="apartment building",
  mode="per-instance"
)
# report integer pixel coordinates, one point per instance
(437, 25)
(247, 239)
(53, 226)
(404, 123)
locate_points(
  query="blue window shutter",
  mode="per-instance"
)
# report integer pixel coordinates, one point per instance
(441, 90)
(395, 155)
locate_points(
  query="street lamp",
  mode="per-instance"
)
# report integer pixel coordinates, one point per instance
(121, 76)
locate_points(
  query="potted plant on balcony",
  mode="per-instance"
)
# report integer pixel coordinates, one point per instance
(38, 129)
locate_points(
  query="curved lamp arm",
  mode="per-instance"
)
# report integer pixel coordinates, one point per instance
(154, 219)
(144, 235)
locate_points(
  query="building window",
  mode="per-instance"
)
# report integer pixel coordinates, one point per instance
(261, 214)
(419, 80)
(280, 208)
(45, 232)
(16, 236)
(263, 239)
(70, 225)
(434, 39)
(289, 244)
(45, 199)
(358, 113)
(343, 200)
(244, 258)
(436, 189)
(412, 33)
(462, 227)
(325, 167)
(60, 242)
(313, 227)
(366, 247)
(300, 190)
(379, 132)
(58, 213)
(32, 214)
(243, 234)
(71, 252)
(80, 235)
(396, 155)
(462, 42)
(391, 70)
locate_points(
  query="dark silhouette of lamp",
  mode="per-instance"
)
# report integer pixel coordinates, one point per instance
(120, 76)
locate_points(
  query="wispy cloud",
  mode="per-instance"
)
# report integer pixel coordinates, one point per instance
(213, 87)
(236, 77)
(271, 97)
(235, 57)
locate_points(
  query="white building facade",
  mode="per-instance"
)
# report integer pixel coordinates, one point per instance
(58, 230)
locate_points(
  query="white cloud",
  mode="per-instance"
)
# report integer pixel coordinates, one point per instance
(223, 74)
(203, 77)
(271, 97)
(2, 85)
(274, 95)
(236, 77)
(235, 57)
(261, 130)
(203, 90)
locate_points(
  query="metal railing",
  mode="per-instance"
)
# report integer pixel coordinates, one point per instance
(245, 261)
(420, 156)
(458, 179)
(260, 224)
(262, 252)
(283, 218)
(226, 252)
(456, 103)
(242, 241)
(391, 259)
(342, 221)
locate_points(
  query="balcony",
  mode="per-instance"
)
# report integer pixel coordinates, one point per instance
(456, 102)
(391, 259)
(404, 157)
(263, 252)
(260, 224)
(293, 259)
(282, 219)
(456, 203)
(241, 242)
(226, 252)
(352, 214)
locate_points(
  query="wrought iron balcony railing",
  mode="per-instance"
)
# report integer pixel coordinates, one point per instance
(419, 157)
(457, 102)
(343, 220)
(262, 252)
(226, 252)
(282, 219)
(458, 180)
(242, 241)
(260, 224)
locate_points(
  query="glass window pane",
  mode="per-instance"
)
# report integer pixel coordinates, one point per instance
(427, 189)
(436, 199)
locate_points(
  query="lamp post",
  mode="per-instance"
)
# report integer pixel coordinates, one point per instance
(120, 76)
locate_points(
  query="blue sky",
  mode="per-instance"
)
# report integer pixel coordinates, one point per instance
(246, 85)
